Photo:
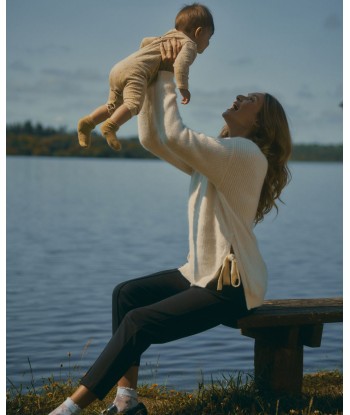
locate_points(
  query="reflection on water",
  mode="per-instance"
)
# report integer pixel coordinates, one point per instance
(76, 228)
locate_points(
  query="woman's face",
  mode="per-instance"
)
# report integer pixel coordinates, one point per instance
(241, 117)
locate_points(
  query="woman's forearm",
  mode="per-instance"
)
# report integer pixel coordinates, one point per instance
(151, 130)
(206, 155)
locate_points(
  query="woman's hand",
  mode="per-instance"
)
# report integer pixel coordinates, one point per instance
(169, 50)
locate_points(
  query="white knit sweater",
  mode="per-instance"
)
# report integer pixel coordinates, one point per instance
(227, 175)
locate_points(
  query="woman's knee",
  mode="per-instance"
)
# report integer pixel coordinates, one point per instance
(122, 295)
(118, 294)
(120, 306)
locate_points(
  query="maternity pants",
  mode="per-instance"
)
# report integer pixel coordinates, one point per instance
(158, 308)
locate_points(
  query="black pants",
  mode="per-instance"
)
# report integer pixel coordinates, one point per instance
(158, 308)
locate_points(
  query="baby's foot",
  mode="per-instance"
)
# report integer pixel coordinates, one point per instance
(85, 126)
(108, 130)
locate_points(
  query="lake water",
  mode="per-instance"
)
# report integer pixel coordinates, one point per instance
(78, 227)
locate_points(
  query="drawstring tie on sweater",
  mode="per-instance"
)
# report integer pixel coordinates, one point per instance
(229, 274)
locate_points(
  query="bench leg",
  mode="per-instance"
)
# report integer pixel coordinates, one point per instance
(278, 369)
(278, 356)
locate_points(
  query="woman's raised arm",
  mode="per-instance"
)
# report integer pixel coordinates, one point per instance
(150, 124)
(152, 135)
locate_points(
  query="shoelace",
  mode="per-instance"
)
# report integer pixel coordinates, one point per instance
(229, 274)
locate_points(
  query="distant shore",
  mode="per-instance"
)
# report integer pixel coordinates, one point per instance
(35, 140)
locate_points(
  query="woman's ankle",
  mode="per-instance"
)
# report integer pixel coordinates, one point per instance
(125, 399)
(83, 397)
(68, 407)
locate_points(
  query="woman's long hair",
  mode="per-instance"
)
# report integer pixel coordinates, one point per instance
(273, 137)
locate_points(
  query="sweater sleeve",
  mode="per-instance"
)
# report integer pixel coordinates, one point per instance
(206, 155)
(151, 130)
(183, 62)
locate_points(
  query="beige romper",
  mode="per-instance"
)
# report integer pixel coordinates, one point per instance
(130, 77)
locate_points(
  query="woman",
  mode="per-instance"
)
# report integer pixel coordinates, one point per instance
(235, 181)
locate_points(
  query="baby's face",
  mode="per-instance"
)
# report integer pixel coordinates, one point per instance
(202, 37)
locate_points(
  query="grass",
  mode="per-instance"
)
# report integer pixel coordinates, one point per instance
(233, 395)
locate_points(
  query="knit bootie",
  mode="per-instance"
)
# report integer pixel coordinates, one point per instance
(108, 130)
(85, 126)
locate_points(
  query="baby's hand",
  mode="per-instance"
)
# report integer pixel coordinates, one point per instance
(186, 96)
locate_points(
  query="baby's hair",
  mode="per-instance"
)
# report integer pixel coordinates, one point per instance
(192, 16)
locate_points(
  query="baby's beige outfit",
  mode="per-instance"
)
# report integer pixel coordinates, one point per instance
(130, 77)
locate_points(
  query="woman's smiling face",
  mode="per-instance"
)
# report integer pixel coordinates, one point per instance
(242, 116)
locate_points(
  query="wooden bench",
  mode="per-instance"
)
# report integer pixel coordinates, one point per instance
(281, 328)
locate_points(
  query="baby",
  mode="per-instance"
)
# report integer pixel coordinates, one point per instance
(130, 77)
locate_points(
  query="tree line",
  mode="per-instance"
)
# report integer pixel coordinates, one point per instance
(28, 139)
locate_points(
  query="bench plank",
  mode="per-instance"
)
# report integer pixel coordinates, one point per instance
(292, 312)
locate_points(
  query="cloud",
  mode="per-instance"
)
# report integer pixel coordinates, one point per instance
(44, 87)
(305, 93)
(48, 49)
(337, 92)
(243, 61)
(332, 22)
(19, 66)
(330, 117)
(52, 83)
(76, 75)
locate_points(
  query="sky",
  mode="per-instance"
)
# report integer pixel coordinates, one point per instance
(59, 54)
